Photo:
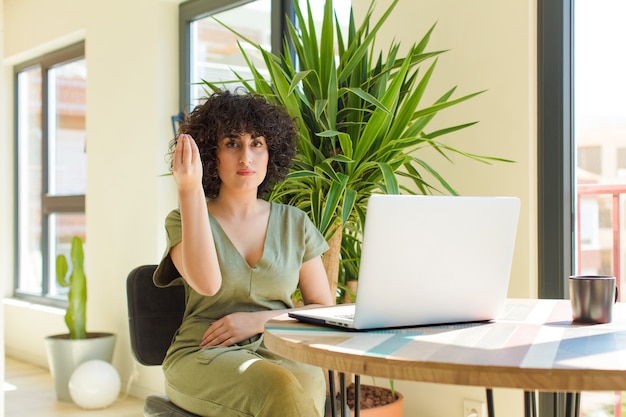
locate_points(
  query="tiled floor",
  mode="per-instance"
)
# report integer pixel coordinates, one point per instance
(29, 392)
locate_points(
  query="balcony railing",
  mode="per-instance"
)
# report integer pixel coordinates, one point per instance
(615, 191)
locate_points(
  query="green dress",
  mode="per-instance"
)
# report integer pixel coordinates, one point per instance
(245, 379)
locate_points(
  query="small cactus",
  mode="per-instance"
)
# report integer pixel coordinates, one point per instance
(75, 315)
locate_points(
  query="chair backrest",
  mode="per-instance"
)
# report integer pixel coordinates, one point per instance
(154, 315)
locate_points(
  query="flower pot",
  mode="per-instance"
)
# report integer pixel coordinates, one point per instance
(65, 354)
(371, 397)
(393, 409)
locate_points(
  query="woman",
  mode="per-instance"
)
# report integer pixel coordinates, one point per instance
(240, 259)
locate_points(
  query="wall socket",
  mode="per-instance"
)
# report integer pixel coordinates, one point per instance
(472, 408)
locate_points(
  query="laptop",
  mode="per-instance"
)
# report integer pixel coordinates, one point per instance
(429, 260)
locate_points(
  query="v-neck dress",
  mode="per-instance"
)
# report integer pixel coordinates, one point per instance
(210, 381)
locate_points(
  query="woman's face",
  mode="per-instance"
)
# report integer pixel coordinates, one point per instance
(242, 161)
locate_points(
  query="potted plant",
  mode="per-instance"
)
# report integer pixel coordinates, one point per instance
(376, 401)
(362, 124)
(67, 351)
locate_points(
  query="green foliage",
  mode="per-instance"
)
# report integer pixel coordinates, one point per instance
(77, 295)
(362, 121)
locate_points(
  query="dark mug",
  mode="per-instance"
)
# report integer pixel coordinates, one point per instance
(592, 298)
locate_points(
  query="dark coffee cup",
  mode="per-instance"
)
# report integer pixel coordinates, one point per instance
(592, 298)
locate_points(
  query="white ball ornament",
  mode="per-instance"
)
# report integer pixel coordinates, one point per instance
(94, 384)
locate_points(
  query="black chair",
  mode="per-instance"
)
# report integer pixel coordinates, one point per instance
(154, 315)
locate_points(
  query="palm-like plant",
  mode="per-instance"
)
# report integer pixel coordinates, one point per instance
(361, 121)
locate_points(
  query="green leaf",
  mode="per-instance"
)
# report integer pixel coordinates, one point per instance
(332, 204)
(389, 178)
(362, 122)
(61, 271)
(348, 205)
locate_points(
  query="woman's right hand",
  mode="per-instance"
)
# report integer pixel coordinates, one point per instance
(195, 255)
(187, 165)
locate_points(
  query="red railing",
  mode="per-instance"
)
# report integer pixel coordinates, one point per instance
(615, 191)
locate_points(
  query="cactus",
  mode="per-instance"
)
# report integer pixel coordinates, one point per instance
(77, 295)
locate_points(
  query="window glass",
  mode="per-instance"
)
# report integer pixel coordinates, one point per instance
(621, 162)
(51, 167)
(68, 161)
(600, 141)
(215, 53)
(63, 228)
(590, 160)
(29, 187)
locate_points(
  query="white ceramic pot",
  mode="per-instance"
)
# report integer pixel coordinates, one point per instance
(65, 354)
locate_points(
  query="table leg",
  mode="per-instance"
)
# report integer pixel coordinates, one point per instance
(357, 395)
(490, 409)
(568, 404)
(572, 404)
(344, 393)
(331, 389)
(530, 404)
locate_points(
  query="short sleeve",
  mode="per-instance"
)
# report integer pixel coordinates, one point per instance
(166, 273)
(315, 244)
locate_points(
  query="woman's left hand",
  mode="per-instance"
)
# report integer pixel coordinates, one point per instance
(233, 328)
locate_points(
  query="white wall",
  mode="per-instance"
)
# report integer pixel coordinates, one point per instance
(132, 57)
(491, 46)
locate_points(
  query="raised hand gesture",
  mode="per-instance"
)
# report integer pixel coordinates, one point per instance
(187, 165)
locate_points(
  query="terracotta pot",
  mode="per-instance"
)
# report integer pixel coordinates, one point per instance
(390, 410)
(393, 409)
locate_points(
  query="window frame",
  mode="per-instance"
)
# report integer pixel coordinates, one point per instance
(556, 162)
(192, 10)
(50, 204)
(555, 146)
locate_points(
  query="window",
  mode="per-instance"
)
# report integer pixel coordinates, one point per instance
(590, 159)
(574, 74)
(621, 162)
(210, 52)
(51, 167)
(215, 53)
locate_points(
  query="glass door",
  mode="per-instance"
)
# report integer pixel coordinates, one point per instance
(600, 141)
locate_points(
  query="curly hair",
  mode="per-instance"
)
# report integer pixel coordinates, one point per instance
(225, 113)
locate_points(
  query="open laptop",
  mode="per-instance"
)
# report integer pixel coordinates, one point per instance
(429, 260)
